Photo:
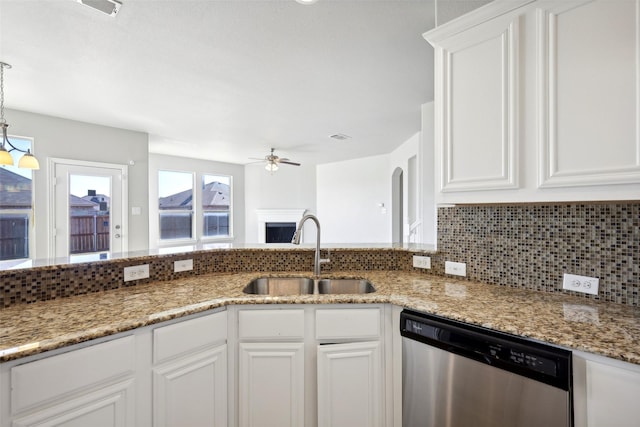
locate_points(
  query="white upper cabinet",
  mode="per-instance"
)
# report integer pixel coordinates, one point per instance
(538, 101)
(477, 114)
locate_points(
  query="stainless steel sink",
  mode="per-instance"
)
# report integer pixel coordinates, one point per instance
(345, 286)
(279, 286)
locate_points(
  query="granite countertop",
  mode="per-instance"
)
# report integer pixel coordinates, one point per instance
(607, 329)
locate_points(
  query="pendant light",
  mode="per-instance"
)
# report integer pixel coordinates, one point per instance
(28, 160)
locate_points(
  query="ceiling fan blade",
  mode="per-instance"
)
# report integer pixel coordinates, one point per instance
(287, 162)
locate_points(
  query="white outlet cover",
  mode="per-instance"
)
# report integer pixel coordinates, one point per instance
(421, 261)
(455, 268)
(183, 265)
(585, 284)
(136, 272)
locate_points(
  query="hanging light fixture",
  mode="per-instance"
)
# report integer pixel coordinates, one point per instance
(28, 160)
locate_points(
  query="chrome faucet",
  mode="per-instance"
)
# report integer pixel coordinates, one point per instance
(296, 241)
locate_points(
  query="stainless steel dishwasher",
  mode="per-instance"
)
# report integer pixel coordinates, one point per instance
(458, 375)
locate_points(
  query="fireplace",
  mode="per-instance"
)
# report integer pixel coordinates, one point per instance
(278, 225)
(279, 232)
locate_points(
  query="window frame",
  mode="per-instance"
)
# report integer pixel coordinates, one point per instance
(197, 211)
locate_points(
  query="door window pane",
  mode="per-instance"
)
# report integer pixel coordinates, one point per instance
(216, 205)
(175, 190)
(89, 207)
(16, 203)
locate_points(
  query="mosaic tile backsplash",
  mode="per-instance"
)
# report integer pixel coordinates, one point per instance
(533, 245)
(528, 246)
(53, 282)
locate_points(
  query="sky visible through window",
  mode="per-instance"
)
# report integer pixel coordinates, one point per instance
(79, 184)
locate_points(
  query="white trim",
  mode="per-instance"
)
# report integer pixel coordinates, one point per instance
(473, 18)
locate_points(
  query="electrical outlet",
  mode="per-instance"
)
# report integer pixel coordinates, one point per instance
(421, 261)
(136, 272)
(455, 268)
(183, 265)
(588, 285)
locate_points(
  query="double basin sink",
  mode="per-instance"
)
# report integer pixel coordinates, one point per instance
(279, 286)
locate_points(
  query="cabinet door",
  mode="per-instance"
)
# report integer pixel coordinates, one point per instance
(476, 101)
(192, 391)
(110, 406)
(350, 391)
(271, 384)
(588, 93)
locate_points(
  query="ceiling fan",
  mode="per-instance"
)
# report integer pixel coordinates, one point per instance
(274, 161)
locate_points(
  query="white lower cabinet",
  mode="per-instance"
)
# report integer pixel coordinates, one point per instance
(350, 385)
(192, 391)
(91, 386)
(171, 374)
(271, 384)
(190, 373)
(110, 406)
(313, 366)
(605, 392)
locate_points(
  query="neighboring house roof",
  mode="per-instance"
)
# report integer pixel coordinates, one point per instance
(15, 190)
(80, 202)
(214, 195)
(97, 198)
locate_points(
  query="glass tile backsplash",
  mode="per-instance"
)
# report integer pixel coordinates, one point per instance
(532, 245)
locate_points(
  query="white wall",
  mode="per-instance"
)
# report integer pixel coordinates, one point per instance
(427, 175)
(348, 197)
(290, 187)
(161, 162)
(399, 158)
(70, 139)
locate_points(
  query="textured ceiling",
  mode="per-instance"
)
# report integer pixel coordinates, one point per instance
(227, 80)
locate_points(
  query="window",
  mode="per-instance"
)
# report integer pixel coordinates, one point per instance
(16, 203)
(216, 205)
(175, 190)
(205, 215)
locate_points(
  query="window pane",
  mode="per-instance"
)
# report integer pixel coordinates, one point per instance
(175, 190)
(15, 205)
(89, 214)
(14, 232)
(216, 224)
(216, 205)
(175, 225)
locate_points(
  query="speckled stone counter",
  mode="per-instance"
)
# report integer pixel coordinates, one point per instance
(611, 330)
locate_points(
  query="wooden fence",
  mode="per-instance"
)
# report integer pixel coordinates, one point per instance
(14, 236)
(88, 233)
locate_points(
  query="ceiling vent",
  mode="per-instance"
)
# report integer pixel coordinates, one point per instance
(340, 136)
(109, 7)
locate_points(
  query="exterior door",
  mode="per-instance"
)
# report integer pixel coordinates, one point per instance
(89, 210)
